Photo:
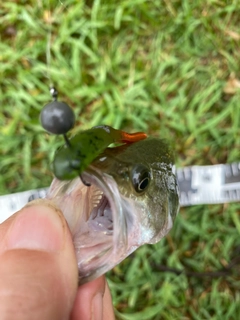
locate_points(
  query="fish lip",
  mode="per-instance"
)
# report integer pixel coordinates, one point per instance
(119, 241)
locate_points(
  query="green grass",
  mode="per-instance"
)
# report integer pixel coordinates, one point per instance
(170, 68)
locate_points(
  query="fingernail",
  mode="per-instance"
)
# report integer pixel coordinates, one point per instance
(36, 227)
(97, 307)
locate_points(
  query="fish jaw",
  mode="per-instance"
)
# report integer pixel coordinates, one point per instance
(99, 245)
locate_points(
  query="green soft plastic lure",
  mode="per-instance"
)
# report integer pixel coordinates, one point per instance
(79, 152)
(71, 161)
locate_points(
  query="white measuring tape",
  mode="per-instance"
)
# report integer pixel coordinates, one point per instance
(209, 184)
(197, 185)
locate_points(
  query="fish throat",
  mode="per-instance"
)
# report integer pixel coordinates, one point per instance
(100, 218)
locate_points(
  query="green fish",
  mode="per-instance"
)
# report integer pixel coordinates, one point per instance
(131, 199)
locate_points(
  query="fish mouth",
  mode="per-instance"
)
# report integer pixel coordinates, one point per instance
(106, 226)
(99, 218)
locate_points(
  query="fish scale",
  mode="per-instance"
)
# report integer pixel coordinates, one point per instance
(211, 184)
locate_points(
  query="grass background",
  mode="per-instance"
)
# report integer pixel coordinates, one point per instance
(170, 68)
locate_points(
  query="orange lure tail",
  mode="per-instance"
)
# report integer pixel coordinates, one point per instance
(132, 137)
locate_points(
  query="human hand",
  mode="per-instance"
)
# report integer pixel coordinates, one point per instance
(38, 270)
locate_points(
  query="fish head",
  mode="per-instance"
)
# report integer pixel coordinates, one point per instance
(133, 199)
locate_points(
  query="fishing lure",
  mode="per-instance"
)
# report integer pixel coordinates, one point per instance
(79, 152)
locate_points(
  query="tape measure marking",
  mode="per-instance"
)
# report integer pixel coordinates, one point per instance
(209, 184)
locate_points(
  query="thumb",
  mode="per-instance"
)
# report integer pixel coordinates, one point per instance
(38, 269)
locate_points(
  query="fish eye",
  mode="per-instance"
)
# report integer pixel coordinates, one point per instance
(140, 177)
